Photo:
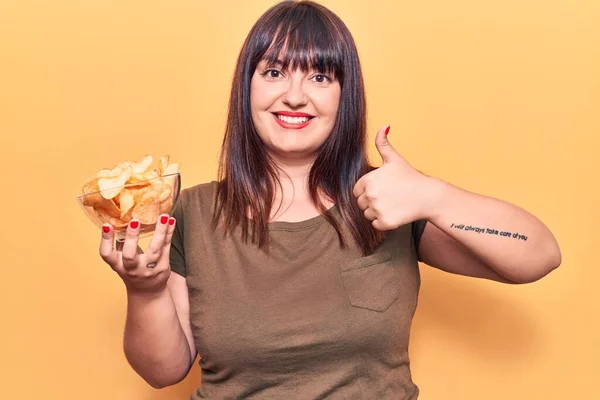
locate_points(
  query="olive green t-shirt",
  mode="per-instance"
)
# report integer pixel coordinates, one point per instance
(310, 320)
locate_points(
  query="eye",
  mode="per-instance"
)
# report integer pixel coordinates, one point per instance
(321, 78)
(272, 73)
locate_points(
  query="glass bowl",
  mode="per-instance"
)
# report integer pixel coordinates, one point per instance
(144, 201)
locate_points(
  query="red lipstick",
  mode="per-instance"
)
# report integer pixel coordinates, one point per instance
(291, 114)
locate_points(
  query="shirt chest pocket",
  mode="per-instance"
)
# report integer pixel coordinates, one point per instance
(372, 282)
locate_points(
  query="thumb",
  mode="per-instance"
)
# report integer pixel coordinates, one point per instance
(385, 148)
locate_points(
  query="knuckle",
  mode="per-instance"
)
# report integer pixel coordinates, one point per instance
(161, 273)
(104, 254)
(131, 234)
(130, 270)
(149, 273)
(128, 259)
(153, 252)
(132, 274)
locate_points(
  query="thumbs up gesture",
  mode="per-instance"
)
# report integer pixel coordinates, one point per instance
(395, 193)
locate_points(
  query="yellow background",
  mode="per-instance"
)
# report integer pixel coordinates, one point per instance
(498, 97)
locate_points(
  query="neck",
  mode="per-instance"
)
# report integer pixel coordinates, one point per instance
(294, 191)
(293, 177)
(292, 200)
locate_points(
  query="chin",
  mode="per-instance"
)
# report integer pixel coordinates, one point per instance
(293, 151)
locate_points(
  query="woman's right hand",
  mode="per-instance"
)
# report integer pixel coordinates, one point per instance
(142, 272)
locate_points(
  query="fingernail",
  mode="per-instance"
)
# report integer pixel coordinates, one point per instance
(106, 229)
(164, 219)
(134, 224)
(387, 130)
(171, 221)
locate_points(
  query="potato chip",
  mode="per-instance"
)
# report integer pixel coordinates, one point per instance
(96, 201)
(171, 169)
(109, 173)
(162, 165)
(127, 217)
(141, 191)
(132, 190)
(142, 166)
(112, 208)
(164, 193)
(105, 217)
(166, 206)
(147, 209)
(93, 199)
(126, 202)
(144, 176)
(110, 187)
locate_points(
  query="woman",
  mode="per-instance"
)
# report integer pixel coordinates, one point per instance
(296, 273)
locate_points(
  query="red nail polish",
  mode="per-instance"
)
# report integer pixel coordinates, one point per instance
(164, 219)
(387, 130)
(134, 224)
(106, 229)
(171, 221)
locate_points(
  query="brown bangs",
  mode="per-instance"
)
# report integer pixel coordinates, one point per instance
(301, 39)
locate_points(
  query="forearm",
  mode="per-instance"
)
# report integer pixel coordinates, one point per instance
(154, 343)
(510, 240)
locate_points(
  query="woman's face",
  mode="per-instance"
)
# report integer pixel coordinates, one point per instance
(293, 111)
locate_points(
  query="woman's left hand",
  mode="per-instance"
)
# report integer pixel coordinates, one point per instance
(395, 193)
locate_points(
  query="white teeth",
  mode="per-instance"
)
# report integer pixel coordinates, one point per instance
(293, 120)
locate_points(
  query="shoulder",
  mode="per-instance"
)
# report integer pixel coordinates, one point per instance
(198, 195)
(195, 202)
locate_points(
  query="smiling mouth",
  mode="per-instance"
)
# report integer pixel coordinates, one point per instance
(289, 120)
(294, 120)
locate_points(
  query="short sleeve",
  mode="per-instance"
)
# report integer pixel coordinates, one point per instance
(177, 253)
(417, 228)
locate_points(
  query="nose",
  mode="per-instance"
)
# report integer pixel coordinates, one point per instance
(295, 96)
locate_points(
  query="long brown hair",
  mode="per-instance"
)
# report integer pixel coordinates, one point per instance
(305, 35)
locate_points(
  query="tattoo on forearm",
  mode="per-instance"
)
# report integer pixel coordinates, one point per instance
(476, 229)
